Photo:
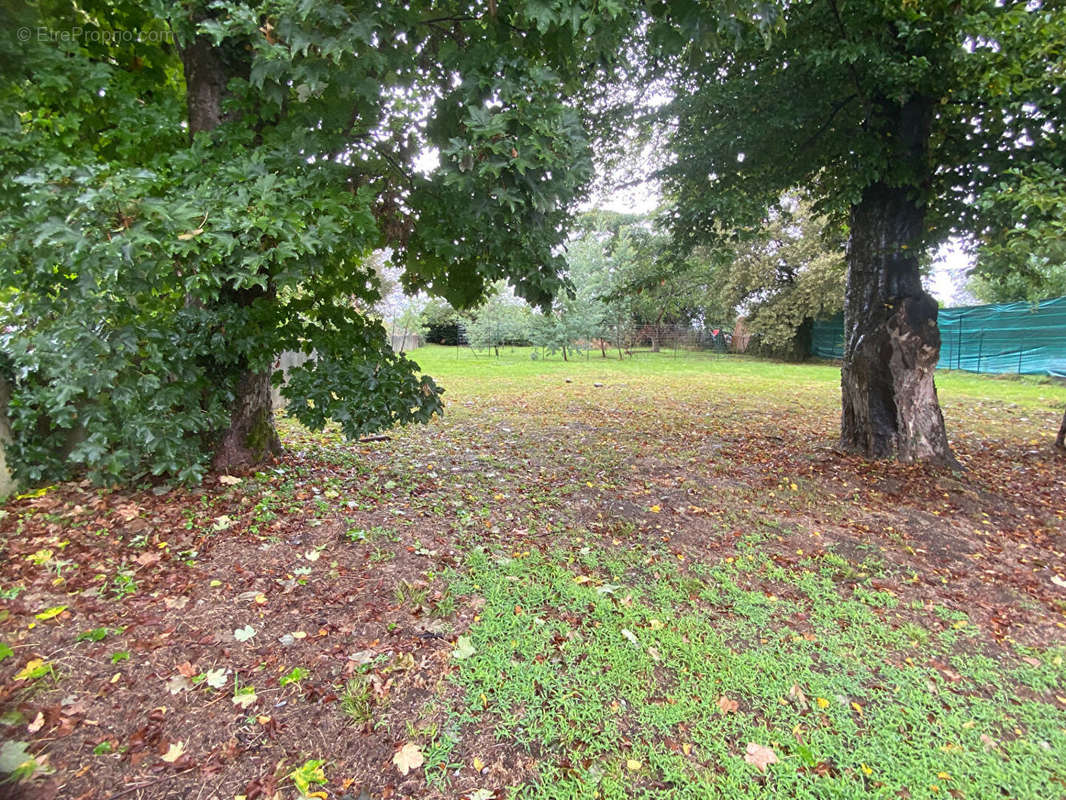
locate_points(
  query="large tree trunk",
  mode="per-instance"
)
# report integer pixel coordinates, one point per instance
(251, 437)
(1060, 440)
(892, 343)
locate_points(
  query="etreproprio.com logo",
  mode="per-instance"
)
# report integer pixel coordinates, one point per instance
(93, 35)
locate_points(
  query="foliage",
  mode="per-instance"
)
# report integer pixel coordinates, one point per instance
(803, 108)
(1028, 259)
(502, 319)
(628, 281)
(152, 271)
(792, 271)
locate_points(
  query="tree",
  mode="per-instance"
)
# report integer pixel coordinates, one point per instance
(894, 117)
(1022, 255)
(641, 286)
(790, 273)
(187, 190)
(501, 319)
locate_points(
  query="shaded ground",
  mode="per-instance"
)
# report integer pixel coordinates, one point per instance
(167, 642)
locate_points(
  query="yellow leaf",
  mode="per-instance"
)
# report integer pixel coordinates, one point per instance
(857, 708)
(866, 770)
(174, 752)
(943, 776)
(478, 764)
(633, 765)
(655, 509)
(822, 702)
(27, 671)
(686, 748)
(55, 611)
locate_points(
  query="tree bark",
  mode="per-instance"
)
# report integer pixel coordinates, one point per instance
(1060, 440)
(892, 343)
(251, 436)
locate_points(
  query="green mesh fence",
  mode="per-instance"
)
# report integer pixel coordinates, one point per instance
(1024, 338)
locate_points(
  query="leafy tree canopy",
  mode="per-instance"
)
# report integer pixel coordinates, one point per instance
(803, 108)
(790, 272)
(153, 271)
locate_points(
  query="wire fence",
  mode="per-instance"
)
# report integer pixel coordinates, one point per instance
(621, 342)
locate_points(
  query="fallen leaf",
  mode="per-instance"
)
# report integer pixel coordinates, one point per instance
(798, 698)
(408, 757)
(147, 558)
(51, 612)
(629, 635)
(759, 756)
(245, 699)
(178, 684)
(727, 705)
(464, 648)
(37, 724)
(176, 602)
(174, 752)
(244, 634)
(633, 765)
(14, 755)
(215, 678)
(229, 480)
(31, 670)
(312, 555)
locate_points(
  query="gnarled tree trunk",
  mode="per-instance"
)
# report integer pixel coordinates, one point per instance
(251, 436)
(892, 343)
(1060, 440)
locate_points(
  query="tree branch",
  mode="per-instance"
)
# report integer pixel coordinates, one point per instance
(837, 108)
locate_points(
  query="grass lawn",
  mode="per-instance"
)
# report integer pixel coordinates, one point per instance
(590, 579)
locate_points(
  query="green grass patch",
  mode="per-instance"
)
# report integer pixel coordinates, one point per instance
(613, 672)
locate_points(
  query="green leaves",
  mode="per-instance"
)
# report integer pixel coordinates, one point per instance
(152, 271)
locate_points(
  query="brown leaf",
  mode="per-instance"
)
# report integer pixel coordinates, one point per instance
(797, 697)
(407, 758)
(759, 756)
(727, 705)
